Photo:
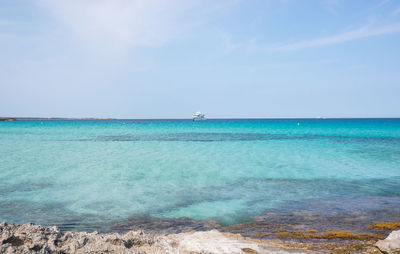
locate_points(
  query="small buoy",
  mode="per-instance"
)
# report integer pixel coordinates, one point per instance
(298, 124)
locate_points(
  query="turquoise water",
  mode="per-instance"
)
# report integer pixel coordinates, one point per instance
(90, 174)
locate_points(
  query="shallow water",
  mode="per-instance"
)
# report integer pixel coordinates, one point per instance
(91, 175)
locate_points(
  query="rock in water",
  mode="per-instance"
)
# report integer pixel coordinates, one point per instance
(390, 245)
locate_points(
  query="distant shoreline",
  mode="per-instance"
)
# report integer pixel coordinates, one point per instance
(7, 119)
(186, 119)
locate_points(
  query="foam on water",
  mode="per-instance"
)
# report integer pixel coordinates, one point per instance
(92, 174)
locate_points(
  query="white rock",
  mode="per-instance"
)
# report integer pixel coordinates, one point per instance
(391, 244)
(218, 243)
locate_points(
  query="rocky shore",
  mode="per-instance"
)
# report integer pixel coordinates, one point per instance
(7, 119)
(30, 238)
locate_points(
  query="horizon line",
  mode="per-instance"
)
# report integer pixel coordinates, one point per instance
(189, 118)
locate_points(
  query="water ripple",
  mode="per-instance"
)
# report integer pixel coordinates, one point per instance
(229, 137)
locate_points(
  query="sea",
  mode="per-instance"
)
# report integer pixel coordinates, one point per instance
(179, 175)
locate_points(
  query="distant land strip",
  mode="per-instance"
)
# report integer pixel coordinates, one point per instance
(7, 119)
(51, 118)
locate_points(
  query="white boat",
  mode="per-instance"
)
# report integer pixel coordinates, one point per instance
(198, 116)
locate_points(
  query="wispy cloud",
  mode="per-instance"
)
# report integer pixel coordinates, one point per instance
(7, 22)
(4, 36)
(228, 44)
(128, 23)
(383, 2)
(396, 11)
(331, 5)
(363, 32)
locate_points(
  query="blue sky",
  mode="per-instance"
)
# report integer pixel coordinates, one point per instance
(167, 59)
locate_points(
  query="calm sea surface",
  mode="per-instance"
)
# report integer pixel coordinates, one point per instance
(90, 175)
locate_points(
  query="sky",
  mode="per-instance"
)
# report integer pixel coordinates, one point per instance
(227, 58)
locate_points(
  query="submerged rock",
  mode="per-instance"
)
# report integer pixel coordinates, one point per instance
(30, 238)
(391, 244)
(164, 225)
